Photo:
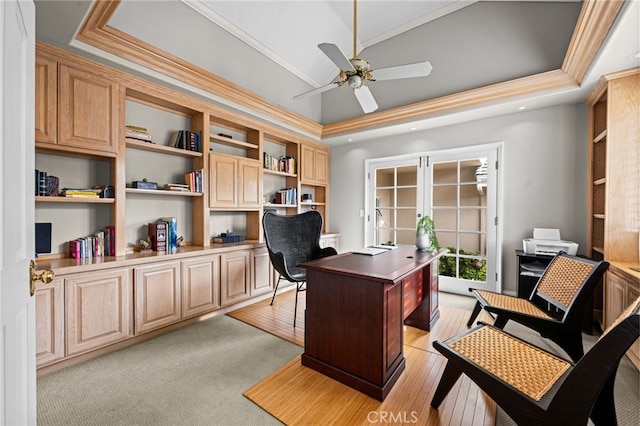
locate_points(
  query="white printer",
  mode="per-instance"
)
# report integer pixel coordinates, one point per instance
(547, 241)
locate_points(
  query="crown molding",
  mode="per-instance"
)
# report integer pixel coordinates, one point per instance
(594, 23)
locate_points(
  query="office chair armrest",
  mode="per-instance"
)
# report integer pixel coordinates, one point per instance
(277, 260)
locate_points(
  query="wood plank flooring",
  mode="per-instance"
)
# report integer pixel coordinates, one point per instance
(297, 395)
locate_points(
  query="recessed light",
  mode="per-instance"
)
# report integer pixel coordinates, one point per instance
(413, 128)
(522, 107)
(349, 140)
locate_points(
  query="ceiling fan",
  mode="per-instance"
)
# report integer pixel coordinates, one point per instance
(356, 72)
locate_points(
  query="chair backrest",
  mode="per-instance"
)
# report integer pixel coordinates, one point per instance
(568, 281)
(295, 237)
(599, 365)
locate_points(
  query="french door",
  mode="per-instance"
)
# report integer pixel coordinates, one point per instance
(459, 189)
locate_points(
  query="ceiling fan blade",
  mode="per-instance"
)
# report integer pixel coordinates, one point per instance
(365, 98)
(317, 91)
(337, 57)
(419, 69)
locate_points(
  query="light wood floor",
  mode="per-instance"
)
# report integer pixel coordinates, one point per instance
(297, 395)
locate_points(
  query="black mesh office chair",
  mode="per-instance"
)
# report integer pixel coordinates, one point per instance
(292, 240)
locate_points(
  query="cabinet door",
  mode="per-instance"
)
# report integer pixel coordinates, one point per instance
(614, 298)
(46, 93)
(223, 173)
(634, 352)
(262, 272)
(307, 164)
(87, 110)
(249, 183)
(98, 309)
(157, 296)
(49, 300)
(322, 165)
(200, 285)
(234, 276)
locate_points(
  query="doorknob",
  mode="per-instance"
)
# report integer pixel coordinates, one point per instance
(46, 277)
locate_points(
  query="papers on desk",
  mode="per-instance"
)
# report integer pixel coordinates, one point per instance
(371, 251)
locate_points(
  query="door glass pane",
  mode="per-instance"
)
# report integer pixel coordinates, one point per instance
(459, 214)
(396, 211)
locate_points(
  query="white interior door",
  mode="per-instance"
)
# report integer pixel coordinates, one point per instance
(17, 366)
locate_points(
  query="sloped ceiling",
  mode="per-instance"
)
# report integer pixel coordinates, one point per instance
(268, 49)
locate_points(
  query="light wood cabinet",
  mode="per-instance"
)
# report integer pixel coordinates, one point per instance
(262, 276)
(235, 276)
(314, 168)
(49, 300)
(88, 106)
(98, 309)
(330, 240)
(200, 285)
(621, 289)
(46, 97)
(614, 173)
(157, 296)
(234, 182)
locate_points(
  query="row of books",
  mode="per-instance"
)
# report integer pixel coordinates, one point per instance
(185, 139)
(164, 235)
(137, 132)
(193, 180)
(102, 243)
(286, 196)
(284, 163)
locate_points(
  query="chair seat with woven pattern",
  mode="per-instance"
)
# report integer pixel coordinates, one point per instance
(566, 286)
(533, 386)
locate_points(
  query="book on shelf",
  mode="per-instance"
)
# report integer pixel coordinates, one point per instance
(158, 234)
(80, 193)
(172, 233)
(180, 187)
(137, 132)
(185, 139)
(41, 178)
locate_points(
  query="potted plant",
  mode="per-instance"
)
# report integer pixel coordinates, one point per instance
(426, 239)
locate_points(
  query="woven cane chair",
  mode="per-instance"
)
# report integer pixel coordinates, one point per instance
(566, 286)
(535, 387)
(292, 240)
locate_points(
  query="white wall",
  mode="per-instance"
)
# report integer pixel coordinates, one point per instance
(544, 175)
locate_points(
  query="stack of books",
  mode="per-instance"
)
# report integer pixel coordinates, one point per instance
(136, 132)
(180, 187)
(81, 193)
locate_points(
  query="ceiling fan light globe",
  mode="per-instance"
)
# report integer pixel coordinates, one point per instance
(355, 81)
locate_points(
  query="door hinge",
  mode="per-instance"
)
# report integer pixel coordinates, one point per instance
(496, 220)
(496, 164)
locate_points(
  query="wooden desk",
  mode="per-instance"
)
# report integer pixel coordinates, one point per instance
(355, 309)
